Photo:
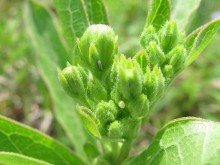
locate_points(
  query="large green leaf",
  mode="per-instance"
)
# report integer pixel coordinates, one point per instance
(183, 10)
(190, 141)
(8, 158)
(21, 139)
(159, 13)
(199, 39)
(50, 54)
(77, 15)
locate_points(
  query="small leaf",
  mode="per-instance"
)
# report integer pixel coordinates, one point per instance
(89, 120)
(21, 139)
(159, 14)
(77, 15)
(183, 141)
(8, 158)
(199, 39)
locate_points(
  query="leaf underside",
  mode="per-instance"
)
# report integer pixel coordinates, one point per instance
(183, 141)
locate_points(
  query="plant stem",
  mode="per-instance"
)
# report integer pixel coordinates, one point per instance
(124, 152)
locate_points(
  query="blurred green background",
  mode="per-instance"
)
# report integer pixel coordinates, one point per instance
(24, 96)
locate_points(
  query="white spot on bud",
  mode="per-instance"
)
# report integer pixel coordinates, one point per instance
(121, 104)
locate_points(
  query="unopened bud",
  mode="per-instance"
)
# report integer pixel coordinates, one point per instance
(98, 46)
(106, 112)
(139, 106)
(130, 79)
(71, 79)
(168, 36)
(155, 54)
(177, 57)
(149, 34)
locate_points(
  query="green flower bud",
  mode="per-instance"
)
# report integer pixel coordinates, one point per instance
(106, 112)
(139, 106)
(129, 78)
(155, 54)
(97, 46)
(130, 127)
(168, 71)
(168, 36)
(142, 60)
(72, 79)
(116, 130)
(160, 85)
(154, 83)
(177, 57)
(95, 90)
(114, 72)
(149, 34)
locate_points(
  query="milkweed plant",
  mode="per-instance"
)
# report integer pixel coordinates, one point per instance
(113, 94)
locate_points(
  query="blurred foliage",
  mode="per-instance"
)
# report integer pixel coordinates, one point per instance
(24, 96)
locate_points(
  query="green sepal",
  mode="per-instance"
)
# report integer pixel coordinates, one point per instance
(95, 90)
(124, 129)
(177, 57)
(130, 128)
(148, 35)
(114, 72)
(89, 120)
(97, 47)
(168, 36)
(71, 79)
(138, 107)
(129, 78)
(106, 112)
(116, 130)
(168, 71)
(156, 54)
(142, 60)
(154, 83)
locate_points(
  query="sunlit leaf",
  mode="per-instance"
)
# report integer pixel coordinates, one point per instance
(21, 139)
(77, 15)
(183, 141)
(8, 158)
(199, 39)
(183, 10)
(159, 13)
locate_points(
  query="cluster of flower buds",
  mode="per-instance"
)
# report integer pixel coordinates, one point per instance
(115, 93)
(165, 48)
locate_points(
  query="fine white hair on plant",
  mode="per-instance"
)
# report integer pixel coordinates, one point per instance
(121, 104)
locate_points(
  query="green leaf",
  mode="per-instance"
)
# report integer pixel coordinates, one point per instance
(50, 54)
(159, 14)
(21, 139)
(8, 158)
(199, 39)
(183, 10)
(89, 120)
(77, 15)
(183, 141)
